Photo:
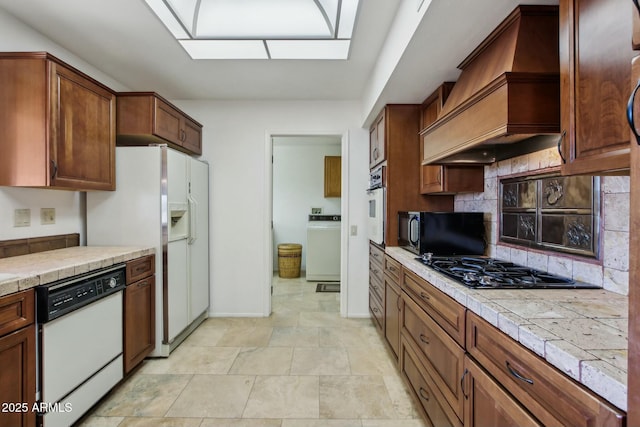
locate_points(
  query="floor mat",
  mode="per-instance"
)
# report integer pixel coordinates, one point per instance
(328, 287)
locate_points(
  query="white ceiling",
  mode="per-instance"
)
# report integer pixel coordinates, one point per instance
(125, 40)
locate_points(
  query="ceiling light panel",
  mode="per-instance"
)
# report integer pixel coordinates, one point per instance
(225, 49)
(235, 29)
(309, 49)
(261, 19)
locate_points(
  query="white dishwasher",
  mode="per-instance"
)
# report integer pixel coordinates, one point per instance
(80, 327)
(323, 248)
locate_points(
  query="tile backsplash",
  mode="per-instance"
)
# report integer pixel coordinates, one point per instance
(611, 271)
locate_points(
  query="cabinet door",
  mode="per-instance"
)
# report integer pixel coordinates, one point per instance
(139, 322)
(167, 122)
(18, 377)
(191, 136)
(488, 405)
(431, 179)
(332, 176)
(392, 310)
(82, 144)
(595, 80)
(377, 141)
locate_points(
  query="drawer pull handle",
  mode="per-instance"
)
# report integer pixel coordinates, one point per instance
(630, 119)
(399, 303)
(517, 375)
(424, 339)
(464, 392)
(424, 296)
(564, 132)
(375, 310)
(424, 394)
(376, 271)
(392, 268)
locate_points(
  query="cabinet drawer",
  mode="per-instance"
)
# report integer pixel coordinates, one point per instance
(16, 311)
(392, 268)
(436, 412)
(376, 310)
(376, 254)
(444, 310)
(375, 271)
(441, 355)
(550, 396)
(140, 268)
(376, 287)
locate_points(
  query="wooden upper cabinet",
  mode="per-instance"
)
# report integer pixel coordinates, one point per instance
(377, 141)
(332, 176)
(595, 83)
(146, 117)
(57, 125)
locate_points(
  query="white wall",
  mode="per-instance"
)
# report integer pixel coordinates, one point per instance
(69, 205)
(298, 185)
(236, 142)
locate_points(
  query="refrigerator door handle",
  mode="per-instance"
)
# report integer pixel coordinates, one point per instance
(193, 230)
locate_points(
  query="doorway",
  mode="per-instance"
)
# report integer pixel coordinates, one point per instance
(296, 188)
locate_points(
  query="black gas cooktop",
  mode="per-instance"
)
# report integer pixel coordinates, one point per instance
(482, 272)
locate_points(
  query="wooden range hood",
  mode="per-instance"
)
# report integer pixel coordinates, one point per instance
(508, 91)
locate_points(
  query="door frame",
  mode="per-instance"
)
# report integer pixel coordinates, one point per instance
(268, 218)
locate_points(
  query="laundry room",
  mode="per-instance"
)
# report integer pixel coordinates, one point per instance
(306, 205)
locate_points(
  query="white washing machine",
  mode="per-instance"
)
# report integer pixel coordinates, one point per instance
(323, 248)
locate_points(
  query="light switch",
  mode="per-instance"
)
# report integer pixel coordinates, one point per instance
(353, 230)
(22, 218)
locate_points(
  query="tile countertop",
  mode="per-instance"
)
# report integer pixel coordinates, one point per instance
(27, 271)
(582, 332)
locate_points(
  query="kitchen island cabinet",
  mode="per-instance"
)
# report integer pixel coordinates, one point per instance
(595, 78)
(139, 311)
(146, 118)
(58, 125)
(17, 359)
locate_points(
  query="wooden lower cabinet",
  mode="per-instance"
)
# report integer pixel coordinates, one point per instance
(552, 397)
(489, 405)
(139, 322)
(435, 411)
(392, 310)
(139, 311)
(17, 360)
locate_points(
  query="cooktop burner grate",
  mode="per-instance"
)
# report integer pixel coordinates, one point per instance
(484, 272)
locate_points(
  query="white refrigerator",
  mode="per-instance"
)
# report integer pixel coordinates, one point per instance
(161, 200)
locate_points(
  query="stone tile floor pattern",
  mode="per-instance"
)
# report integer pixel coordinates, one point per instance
(304, 366)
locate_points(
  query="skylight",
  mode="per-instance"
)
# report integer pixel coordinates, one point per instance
(260, 29)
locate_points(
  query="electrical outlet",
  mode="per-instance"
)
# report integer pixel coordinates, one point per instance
(22, 218)
(316, 211)
(47, 215)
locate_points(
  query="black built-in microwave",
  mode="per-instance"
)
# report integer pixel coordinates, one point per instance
(442, 233)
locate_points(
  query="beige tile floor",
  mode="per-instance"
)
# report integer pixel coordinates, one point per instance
(304, 366)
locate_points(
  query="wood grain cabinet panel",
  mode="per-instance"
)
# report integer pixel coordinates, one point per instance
(332, 176)
(146, 117)
(139, 311)
(17, 359)
(442, 357)
(449, 315)
(552, 397)
(58, 125)
(451, 179)
(394, 143)
(432, 405)
(635, 40)
(595, 78)
(392, 303)
(488, 405)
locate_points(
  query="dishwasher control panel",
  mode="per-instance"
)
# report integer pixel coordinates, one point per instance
(64, 296)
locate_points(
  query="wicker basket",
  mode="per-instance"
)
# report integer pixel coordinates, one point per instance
(289, 258)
